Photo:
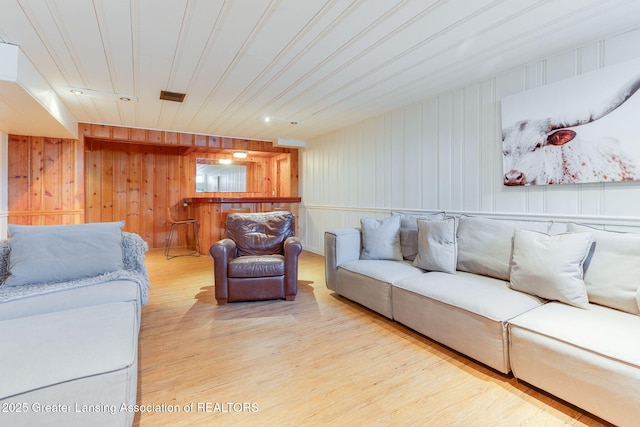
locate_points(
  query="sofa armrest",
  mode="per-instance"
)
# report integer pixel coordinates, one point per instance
(222, 251)
(292, 250)
(340, 246)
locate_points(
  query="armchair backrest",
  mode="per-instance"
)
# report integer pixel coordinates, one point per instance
(260, 233)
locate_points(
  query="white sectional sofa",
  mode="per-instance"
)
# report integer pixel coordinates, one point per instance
(70, 302)
(557, 310)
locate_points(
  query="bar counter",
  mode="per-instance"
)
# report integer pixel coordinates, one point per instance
(227, 200)
(211, 213)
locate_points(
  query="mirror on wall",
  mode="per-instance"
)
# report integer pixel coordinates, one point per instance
(216, 175)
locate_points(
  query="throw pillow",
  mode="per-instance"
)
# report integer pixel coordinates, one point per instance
(381, 238)
(612, 274)
(437, 249)
(551, 267)
(485, 244)
(59, 253)
(409, 231)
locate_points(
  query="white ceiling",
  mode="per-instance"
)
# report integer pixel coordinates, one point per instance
(325, 64)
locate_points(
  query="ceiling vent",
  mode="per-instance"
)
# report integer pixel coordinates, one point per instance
(172, 96)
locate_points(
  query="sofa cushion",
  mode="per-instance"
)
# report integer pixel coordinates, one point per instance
(58, 253)
(368, 282)
(48, 349)
(599, 330)
(381, 238)
(383, 270)
(485, 244)
(464, 311)
(409, 231)
(589, 358)
(551, 267)
(612, 272)
(70, 298)
(437, 249)
(482, 295)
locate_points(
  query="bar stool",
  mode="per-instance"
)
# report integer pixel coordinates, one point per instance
(174, 223)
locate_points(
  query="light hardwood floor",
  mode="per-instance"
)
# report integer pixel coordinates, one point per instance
(320, 360)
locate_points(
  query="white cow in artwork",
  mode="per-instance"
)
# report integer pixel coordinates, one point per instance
(548, 152)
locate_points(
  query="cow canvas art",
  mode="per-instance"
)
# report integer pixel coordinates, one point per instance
(581, 130)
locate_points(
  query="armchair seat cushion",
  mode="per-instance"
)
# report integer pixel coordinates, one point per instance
(256, 266)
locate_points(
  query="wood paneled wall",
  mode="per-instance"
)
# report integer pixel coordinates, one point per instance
(135, 183)
(135, 174)
(45, 181)
(114, 173)
(445, 154)
(205, 146)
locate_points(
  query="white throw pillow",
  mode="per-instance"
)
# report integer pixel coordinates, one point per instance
(551, 267)
(612, 272)
(484, 244)
(381, 238)
(437, 249)
(409, 231)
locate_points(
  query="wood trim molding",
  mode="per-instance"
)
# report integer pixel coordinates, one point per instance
(41, 213)
(189, 141)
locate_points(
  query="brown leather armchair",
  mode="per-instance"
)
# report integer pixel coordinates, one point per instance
(259, 258)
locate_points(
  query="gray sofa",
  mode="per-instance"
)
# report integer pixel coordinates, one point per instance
(576, 339)
(69, 347)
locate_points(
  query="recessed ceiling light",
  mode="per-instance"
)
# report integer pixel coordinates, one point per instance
(91, 93)
(271, 119)
(240, 154)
